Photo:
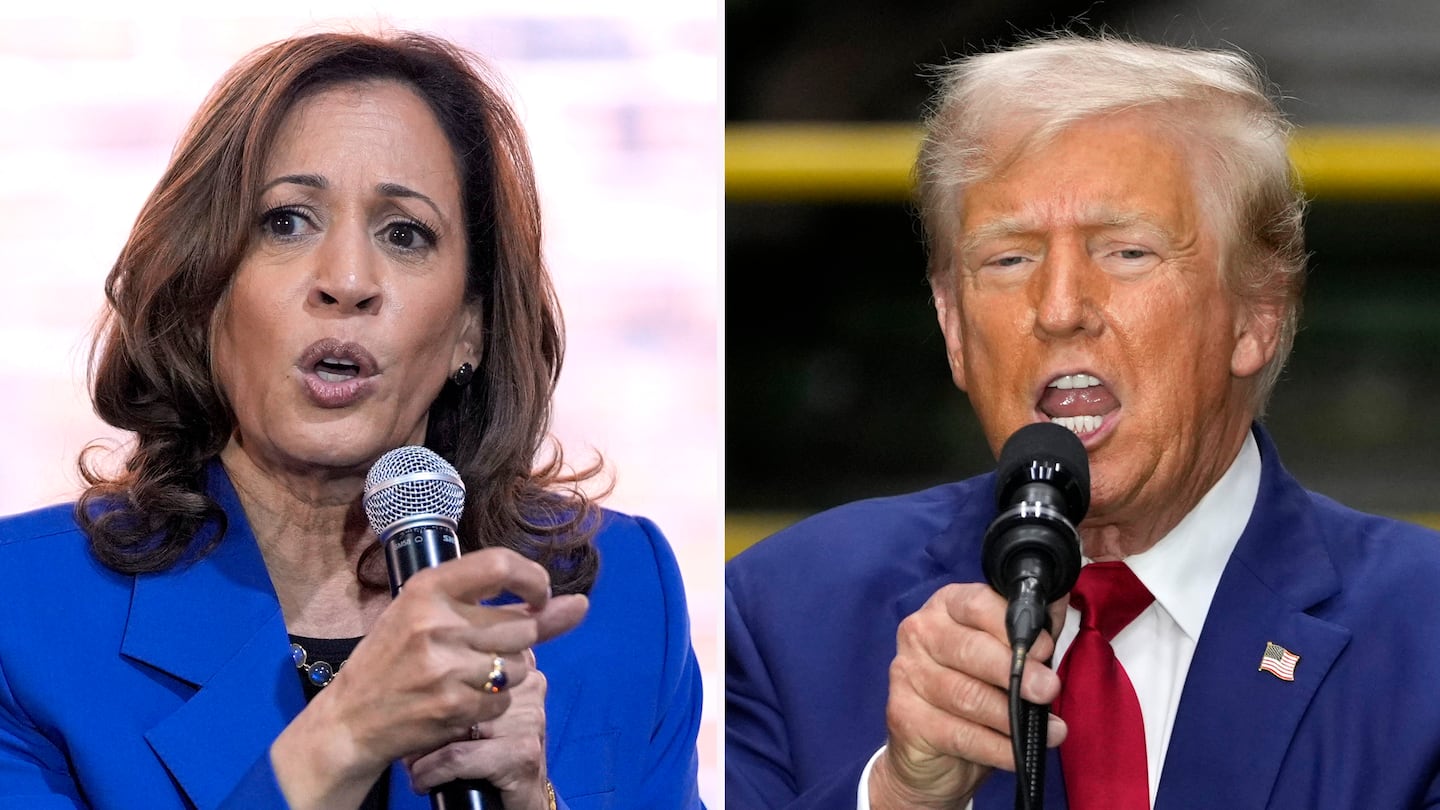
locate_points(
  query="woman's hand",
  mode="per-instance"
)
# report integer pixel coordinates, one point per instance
(416, 683)
(508, 751)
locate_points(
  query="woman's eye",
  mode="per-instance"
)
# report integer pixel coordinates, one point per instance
(284, 222)
(409, 236)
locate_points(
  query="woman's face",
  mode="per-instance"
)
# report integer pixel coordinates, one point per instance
(347, 313)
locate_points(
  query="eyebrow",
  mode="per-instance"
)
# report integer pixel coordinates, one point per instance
(389, 190)
(311, 180)
(394, 190)
(1017, 226)
(1005, 226)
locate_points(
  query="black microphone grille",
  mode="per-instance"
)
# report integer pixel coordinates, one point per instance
(1045, 451)
(412, 482)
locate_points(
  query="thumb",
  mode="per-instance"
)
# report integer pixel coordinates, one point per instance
(560, 615)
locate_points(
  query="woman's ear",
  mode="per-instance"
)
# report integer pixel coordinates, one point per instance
(470, 348)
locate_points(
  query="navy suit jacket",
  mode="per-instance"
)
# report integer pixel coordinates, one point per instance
(165, 690)
(811, 617)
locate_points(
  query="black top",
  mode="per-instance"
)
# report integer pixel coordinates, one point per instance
(335, 652)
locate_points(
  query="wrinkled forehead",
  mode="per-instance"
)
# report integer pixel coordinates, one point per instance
(1153, 160)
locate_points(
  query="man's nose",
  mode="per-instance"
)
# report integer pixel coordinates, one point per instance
(1064, 292)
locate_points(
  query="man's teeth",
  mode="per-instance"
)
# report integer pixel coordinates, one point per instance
(1079, 425)
(1074, 381)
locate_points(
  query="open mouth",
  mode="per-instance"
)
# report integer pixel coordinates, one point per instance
(1078, 402)
(336, 373)
(337, 369)
(334, 360)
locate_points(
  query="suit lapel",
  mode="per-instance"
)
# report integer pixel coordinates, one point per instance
(216, 625)
(953, 554)
(1235, 722)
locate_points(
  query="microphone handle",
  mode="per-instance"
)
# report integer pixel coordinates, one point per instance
(466, 794)
(406, 553)
(1025, 617)
(416, 548)
(1033, 719)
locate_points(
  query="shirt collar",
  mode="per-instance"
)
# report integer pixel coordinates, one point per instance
(1183, 569)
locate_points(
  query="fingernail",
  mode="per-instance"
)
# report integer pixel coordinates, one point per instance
(1054, 731)
(1041, 686)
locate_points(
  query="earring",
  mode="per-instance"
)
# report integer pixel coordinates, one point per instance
(462, 375)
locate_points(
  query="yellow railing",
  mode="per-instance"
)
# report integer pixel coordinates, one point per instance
(819, 162)
(849, 162)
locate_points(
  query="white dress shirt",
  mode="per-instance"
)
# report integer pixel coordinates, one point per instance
(1182, 571)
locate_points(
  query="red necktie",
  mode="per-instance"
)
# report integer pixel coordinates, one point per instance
(1103, 757)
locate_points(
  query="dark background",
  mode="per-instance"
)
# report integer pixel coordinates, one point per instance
(836, 382)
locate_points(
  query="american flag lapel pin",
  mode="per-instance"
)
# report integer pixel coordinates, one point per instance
(1279, 661)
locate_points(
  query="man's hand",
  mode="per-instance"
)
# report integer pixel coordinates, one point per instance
(948, 711)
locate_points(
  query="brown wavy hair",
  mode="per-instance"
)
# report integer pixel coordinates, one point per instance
(150, 366)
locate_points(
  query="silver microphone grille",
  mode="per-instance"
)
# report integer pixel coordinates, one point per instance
(412, 482)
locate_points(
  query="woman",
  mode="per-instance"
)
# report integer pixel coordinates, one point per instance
(343, 258)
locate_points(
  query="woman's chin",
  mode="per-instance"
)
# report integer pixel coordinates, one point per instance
(331, 452)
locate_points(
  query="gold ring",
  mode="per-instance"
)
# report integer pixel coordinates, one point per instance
(497, 680)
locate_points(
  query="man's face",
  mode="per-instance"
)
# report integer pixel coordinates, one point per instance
(1087, 289)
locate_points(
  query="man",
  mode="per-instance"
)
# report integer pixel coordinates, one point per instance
(1116, 246)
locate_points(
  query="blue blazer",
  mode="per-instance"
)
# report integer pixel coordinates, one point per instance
(165, 690)
(811, 616)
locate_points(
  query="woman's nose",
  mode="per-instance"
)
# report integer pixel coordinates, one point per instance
(347, 273)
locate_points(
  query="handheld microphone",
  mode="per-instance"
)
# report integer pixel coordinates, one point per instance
(413, 500)
(1031, 553)
(1031, 556)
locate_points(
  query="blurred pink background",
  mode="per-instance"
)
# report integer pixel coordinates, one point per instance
(622, 109)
